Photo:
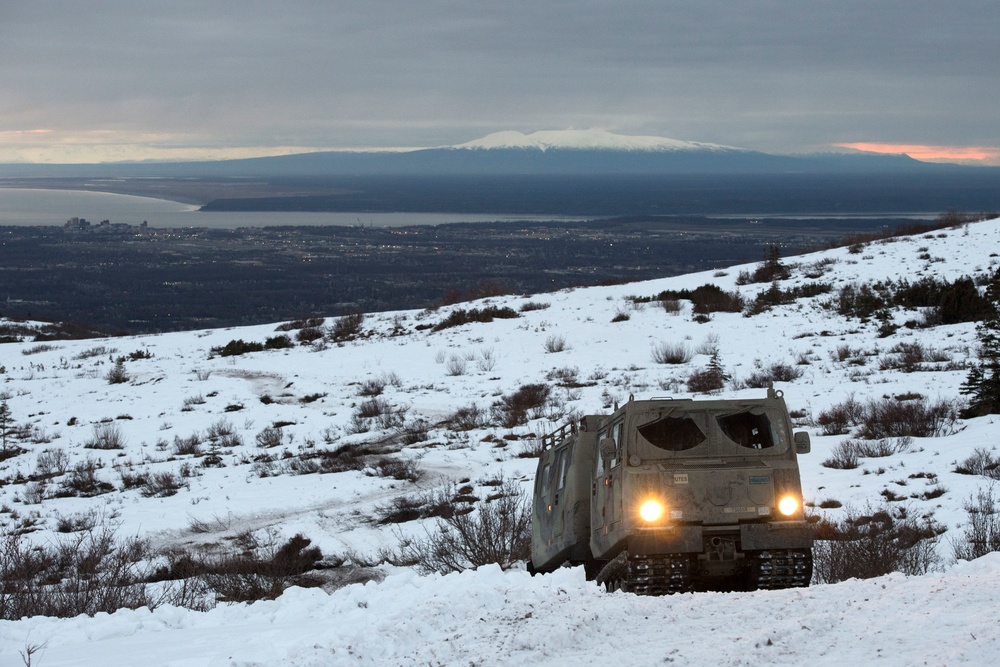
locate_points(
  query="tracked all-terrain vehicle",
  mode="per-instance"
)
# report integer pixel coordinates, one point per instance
(668, 496)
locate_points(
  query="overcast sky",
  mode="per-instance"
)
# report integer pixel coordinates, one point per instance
(137, 79)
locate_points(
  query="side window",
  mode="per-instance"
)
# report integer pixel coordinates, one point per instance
(560, 469)
(599, 459)
(616, 435)
(546, 480)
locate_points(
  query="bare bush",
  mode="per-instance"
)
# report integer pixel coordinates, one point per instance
(190, 445)
(883, 446)
(487, 360)
(220, 430)
(910, 357)
(82, 480)
(529, 306)
(843, 457)
(160, 485)
(467, 418)
(372, 387)
(902, 416)
(555, 343)
(90, 572)
(254, 568)
(347, 327)
(340, 459)
(839, 419)
(671, 306)
(981, 534)
(709, 379)
(671, 353)
(430, 504)
(980, 462)
(51, 462)
(870, 545)
(777, 372)
(405, 470)
(513, 410)
(456, 366)
(106, 436)
(269, 437)
(892, 418)
(498, 531)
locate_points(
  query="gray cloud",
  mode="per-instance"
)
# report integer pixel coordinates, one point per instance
(769, 74)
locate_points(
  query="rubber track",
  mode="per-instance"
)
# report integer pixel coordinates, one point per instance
(673, 573)
(780, 568)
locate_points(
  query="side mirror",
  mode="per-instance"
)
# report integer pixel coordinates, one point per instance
(608, 449)
(802, 443)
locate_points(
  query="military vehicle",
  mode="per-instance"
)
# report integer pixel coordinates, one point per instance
(669, 496)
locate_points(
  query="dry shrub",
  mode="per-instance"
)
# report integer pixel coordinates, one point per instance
(434, 503)
(883, 447)
(467, 418)
(555, 343)
(711, 298)
(980, 462)
(253, 568)
(777, 372)
(891, 418)
(513, 409)
(372, 387)
(405, 470)
(671, 306)
(340, 459)
(82, 480)
(106, 436)
(706, 380)
(347, 327)
(903, 416)
(160, 485)
(839, 419)
(460, 316)
(189, 445)
(498, 531)
(269, 437)
(843, 457)
(982, 529)
(910, 357)
(870, 545)
(671, 353)
(90, 572)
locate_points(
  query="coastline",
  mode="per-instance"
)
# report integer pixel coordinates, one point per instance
(99, 187)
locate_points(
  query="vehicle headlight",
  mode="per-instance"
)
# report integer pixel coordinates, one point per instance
(788, 505)
(651, 510)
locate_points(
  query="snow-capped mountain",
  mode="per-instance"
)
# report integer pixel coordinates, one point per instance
(241, 434)
(586, 140)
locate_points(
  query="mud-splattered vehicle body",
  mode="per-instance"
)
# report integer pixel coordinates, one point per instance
(665, 496)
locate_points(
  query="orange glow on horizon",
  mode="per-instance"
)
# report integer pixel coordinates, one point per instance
(987, 155)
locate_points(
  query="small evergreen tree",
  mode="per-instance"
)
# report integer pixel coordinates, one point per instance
(983, 382)
(6, 426)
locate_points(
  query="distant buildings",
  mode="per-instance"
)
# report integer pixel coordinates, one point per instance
(82, 224)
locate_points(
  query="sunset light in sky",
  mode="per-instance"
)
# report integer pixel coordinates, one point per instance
(985, 155)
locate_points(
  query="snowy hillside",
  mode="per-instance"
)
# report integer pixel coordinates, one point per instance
(186, 446)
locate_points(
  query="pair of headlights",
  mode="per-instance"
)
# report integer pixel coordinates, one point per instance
(653, 510)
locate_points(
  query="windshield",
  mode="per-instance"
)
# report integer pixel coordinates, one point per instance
(748, 430)
(708, 432)
(673, 434)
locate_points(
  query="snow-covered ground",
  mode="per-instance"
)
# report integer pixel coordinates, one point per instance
(178, 391)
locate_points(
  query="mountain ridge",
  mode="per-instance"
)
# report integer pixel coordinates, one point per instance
(546, 152)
